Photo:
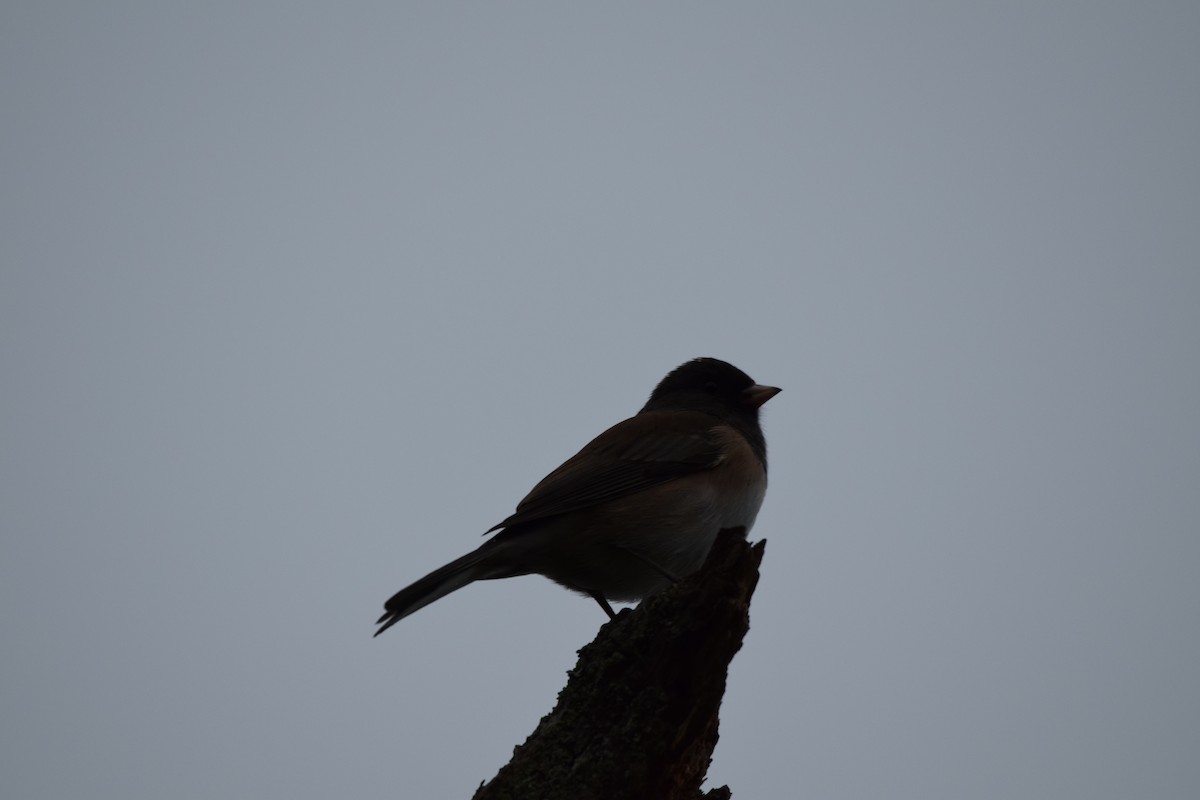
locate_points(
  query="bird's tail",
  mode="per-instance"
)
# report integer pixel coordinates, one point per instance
(474, 566)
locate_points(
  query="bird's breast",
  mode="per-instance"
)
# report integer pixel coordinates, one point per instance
(739, 482)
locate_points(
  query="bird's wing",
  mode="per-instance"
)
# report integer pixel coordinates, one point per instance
(633, 455)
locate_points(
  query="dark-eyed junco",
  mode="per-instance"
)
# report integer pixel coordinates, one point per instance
(639, 506)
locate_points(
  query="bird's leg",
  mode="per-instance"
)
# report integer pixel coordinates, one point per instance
(599, 598)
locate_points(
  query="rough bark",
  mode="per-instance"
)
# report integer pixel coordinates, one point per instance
(638, 716)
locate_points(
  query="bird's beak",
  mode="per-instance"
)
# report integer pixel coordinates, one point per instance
(756, 395)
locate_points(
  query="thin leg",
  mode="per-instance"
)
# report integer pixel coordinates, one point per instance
(599, 598)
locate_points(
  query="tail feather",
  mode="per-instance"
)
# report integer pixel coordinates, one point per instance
(458, 573)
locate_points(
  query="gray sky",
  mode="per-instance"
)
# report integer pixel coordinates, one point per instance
(296, 300)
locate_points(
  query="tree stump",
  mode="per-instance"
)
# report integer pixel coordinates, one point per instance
(638, 716)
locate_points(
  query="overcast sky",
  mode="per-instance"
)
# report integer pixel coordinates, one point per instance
(296, 300)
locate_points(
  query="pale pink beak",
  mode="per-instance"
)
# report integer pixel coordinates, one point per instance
(756, 395)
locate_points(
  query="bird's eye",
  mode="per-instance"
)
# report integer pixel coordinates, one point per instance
(710, 385)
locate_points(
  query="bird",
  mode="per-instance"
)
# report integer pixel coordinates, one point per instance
(638, 507)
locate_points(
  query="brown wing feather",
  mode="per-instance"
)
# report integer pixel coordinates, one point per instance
(633, 455)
